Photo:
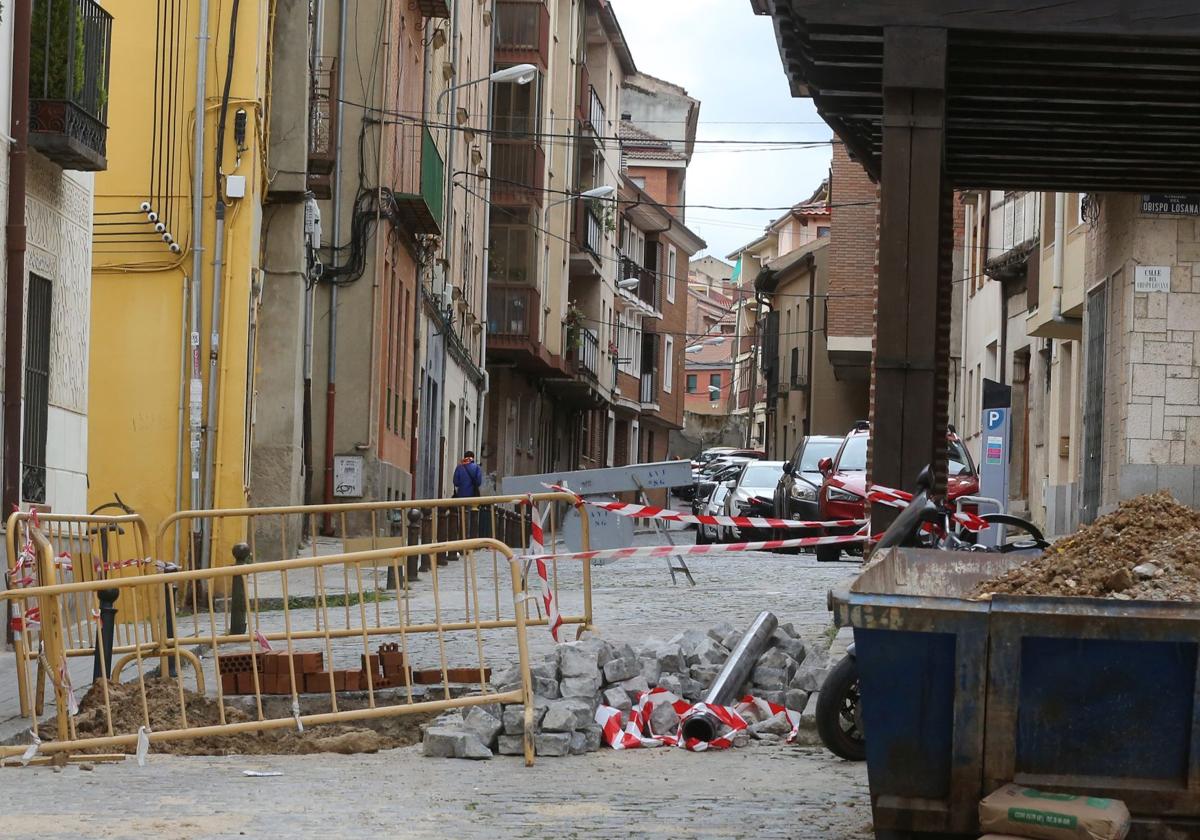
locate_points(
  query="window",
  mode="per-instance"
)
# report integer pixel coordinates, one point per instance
(822, 231)
(515, 108)
(692, 382)
(714, 380)
(668, 363)
(671, 267)
(37, 391)
(511, 249)
(639, 182)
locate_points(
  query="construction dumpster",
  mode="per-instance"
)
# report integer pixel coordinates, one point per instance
(1063, 694)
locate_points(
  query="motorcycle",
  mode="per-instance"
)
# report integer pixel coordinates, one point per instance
(923, 523)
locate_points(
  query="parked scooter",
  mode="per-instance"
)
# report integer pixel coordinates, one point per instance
(839, 707)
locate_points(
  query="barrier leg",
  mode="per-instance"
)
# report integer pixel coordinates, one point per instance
(237, 609)
(102, 658)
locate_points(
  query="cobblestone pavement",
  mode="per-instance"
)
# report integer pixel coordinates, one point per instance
(760, 791)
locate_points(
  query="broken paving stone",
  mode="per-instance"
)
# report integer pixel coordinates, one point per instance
(792, 647)
(546, 670)
(444, 741)
(671, 658)
(795, 699)
(513, 719)
(552, 743)
(777, 724)
(546, 688)
(594, 734)
(664, 720)
(771, 679)
(1146, 571)
(708, 652)
(578, 659)
(483, 725)
(688, 640)
(718, 633)
(511, 745)
(618, 698)
(809, 677)
(587, 687)
(635, 687)
(651, 672)
(778, 659)
(579, 743)
(733, 639)
(616, 670)
(672, 683)
(704, 674)
(567, 715)
(473, 748)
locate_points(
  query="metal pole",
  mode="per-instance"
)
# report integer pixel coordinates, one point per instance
(14, 287)
(196, 388)
(214, 342)
(703, 724)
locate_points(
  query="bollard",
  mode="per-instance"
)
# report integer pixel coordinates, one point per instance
(426, 533)
(452, 529)
(102, 658)
(395, 529)
(415, 562)
(169, 616)
(237, 609)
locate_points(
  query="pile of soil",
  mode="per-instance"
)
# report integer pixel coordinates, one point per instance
(162, 701)
(1147, 549)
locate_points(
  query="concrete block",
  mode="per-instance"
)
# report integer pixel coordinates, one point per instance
(587, 687)
(616, 670)
(579, 659)
(708, 652)
(510, 745)
(443, 741)
(718, 633)
(651, 671)
(1136, 479)
(483, 725)
(579, 743)
(777, 724)
(671, 658)
(664, 720)
(618, 698)
(1180, 481)
(595, 736)
(795, 699)
(771, 679)
(635, 687)
(552, 743)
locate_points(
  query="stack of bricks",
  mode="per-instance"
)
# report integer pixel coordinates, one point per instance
(274, 675)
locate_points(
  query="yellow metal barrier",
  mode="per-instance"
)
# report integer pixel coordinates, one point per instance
(81, 548)
(375, 525)
(259, 605)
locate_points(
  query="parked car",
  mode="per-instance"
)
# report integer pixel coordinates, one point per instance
(844, 488)
(718, 472)
(752, 493)
(712, 505)
(798, 487)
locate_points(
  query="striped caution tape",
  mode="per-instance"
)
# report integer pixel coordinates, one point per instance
(901, 499)
(692, 550)
(637, 731)
(537, 540)
(666, 514)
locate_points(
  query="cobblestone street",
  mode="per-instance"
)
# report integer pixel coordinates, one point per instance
(757, 791)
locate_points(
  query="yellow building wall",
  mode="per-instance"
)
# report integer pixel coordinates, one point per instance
(137, 291)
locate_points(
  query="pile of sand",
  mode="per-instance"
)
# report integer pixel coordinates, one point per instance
(163, 707)
(1147, 549)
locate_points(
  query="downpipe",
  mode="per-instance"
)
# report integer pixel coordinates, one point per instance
(214, 346)
(701, 724)
(1060, 259)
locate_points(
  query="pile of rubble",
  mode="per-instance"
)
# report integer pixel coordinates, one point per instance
(573, 681)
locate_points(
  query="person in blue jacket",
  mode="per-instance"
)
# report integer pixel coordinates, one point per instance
(468, 478)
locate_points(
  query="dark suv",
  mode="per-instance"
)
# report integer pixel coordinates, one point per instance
(798, 488)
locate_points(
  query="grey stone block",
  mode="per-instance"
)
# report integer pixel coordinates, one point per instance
(587, 687)
(543, 687)
(579, 743)
(772, 679)
(444, 741)
(794, 648)
(616, 670)
(664, 720)
(708, 652)
(623, 651)
(1180, 481)
(778, 659)
(795, 699)
(672, 683)
(779, 698)
(704, 674)
(546, 670)
(718, 633)
(731, 640)
(579, 659)
(688, 640)
(484, 725)
(618, 698)
(692, 689)
(789, 630)
(635, 687)
(552, 743)
(1134, 480)
(807, 735)
(671, 658)
(503, 677)
(651, 671)
(567, 715)
(809, 677)
(595, 737)
(511, 745)
(474, 748)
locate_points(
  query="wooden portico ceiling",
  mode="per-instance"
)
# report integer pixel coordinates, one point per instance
(1055, 95)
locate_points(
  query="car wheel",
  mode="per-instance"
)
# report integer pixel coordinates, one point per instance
(702, 535)
(839, 712)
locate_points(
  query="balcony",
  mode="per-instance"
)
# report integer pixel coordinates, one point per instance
(68, 82)
(648, 285)
(589, 354)
(649, 395)
(420, 180)
(323, 115)
(588, 229)
(433, 8)
(522, 32)
(595, 112)
(514, 320)
(518, 170)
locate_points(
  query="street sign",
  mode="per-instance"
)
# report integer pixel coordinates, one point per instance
(1152, 278)
(1170, 204)
(993, 467)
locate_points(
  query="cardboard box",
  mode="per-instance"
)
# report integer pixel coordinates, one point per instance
(1025, 812)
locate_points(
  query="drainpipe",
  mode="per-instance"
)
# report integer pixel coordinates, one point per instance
(196, 388)
(310, 283)
(812, 333)
(480, 414)
(14, 292)
(1060, 257)
(331, 367)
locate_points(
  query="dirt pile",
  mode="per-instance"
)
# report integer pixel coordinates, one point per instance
(1147, 549)
(163, 708)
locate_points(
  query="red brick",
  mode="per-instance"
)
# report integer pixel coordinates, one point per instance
(355, 680)
(245, 682)
(317, 683)
(229, 683)
(339, 680)
(371, 663)
(467, 675)
(392, 661)
(431, 676)
(309, 663)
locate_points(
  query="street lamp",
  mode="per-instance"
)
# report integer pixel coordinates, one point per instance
(628, 284)
(521, 74)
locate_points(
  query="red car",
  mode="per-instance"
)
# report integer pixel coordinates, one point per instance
(843, 492)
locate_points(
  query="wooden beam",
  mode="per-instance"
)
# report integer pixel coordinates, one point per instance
(908, 430)
(1123, 18)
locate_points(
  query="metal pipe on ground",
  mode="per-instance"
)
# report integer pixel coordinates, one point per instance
(702, 724)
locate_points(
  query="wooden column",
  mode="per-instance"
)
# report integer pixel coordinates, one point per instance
(912, 331)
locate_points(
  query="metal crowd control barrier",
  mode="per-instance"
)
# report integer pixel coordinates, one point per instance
(420, 522)
(248, 606)
(81, 548)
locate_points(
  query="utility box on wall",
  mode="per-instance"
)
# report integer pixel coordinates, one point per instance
(348, 476)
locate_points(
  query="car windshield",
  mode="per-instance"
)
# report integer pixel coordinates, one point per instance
(762, 475)
(957, 461)
(854, 455)
(814, 451)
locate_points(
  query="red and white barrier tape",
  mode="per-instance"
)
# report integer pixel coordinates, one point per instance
(899, 498)
(691, 550)
(537, 540)
(638, 732)
(29, 621)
